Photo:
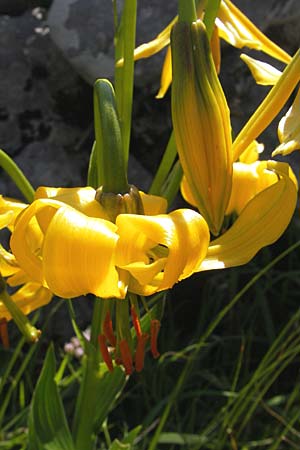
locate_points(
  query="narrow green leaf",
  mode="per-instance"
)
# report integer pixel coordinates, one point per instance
(109, 388)
(16, 174)
(164, 167)
(92, 177)
(48, 428)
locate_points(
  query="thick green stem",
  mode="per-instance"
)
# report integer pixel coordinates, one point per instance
(124, 75)
(187, 11)
(87, 400)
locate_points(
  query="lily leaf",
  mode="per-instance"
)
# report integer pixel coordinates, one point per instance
(48, 427)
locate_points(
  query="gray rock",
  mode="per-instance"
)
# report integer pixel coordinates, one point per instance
(83, 30)
(46, 113)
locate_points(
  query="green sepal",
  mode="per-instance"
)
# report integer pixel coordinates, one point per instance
(48, 427)
(109, 155)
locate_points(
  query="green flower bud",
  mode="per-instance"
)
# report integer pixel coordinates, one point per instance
(201, 122)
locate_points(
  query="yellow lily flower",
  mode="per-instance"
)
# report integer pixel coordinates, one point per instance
(231, 25)
(81, 253)
(254, 182)
(261, 222)
(63, 244)
(289, 129)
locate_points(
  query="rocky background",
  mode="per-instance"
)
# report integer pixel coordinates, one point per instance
(52, 51)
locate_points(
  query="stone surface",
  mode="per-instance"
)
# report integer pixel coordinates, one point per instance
(85, 35)
(46, 116)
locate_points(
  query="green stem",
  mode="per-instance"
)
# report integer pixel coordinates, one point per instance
(16, 174)
(31, 333)
(87, 400)
(188, 366)
(124, 75)
(187, 11)
(211, 12)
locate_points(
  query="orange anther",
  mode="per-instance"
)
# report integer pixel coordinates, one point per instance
(136, 322)
(108, 330)
(4, 333)
(154, 329)
(105, 353)
(126, 357)
(140, 352)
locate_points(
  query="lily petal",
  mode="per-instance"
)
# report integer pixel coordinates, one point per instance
(269, 107)
(247, 181)
(153, 204)
(263, 73)
(252, 152)
(81, 262)
(28, 298)
(289, 130)
(235, 28)
(82, 199)
(182, 237)
(261, 223)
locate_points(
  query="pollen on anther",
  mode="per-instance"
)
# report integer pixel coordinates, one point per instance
(154, 330)
(108, 330)
(105, 353)
(140, 352)
(4, 333)
(126, 357)
(136, 322)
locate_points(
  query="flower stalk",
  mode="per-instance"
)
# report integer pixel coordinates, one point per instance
(31, 333)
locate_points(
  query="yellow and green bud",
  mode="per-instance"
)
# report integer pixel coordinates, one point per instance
(201, 122)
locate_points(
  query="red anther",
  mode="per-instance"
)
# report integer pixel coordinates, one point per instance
(108, 330)
(104, 352)
(140, 352)
(136, 322)
(154, 329)
(4, 333)
(126, 357)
